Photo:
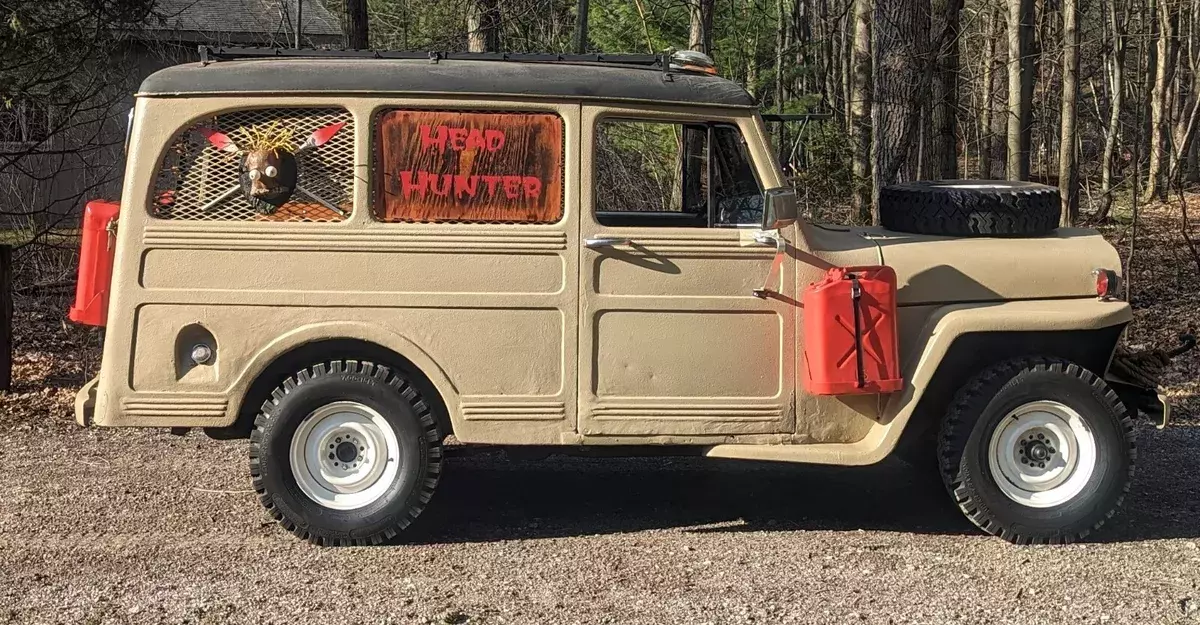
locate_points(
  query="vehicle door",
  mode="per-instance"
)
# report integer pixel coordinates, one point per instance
(672, 340)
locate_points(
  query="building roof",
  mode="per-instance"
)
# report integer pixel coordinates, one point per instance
(446, 77)
(243, 20)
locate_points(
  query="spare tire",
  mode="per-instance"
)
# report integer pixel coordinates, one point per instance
(970, 208)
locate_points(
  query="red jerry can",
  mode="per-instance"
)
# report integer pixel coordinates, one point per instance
(850, 339)
(96, 250)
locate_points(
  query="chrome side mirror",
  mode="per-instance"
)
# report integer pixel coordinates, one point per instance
(780, 208)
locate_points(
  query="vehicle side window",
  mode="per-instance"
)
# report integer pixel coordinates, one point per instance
(265, 164)
(468, 167)
(672, 174)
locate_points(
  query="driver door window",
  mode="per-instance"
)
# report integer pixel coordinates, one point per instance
(674, 175)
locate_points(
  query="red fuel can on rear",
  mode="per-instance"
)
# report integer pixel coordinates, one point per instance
(96, 252)
(850, 339)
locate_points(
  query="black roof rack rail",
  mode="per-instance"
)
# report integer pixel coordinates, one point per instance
(210, 54)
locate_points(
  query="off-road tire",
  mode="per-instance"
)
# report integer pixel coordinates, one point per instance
(970, 208)
(393, 397)
(982, 405)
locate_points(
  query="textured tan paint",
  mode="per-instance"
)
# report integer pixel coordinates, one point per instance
(933, 269)
(531, 338)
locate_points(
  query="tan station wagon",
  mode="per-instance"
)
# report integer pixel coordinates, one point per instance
(349, 259)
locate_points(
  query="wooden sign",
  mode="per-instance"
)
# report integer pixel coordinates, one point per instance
(488, 167)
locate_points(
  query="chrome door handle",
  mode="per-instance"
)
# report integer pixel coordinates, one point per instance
(596, 242)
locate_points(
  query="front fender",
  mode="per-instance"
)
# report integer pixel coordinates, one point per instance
(1046, 326)
(949, 323)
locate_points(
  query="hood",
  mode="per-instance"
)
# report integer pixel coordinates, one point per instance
(939, 270)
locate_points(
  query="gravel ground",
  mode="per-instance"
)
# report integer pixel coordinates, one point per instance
(121, 526)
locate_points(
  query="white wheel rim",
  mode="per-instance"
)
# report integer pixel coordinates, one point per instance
(321, 455)
(1042, 454)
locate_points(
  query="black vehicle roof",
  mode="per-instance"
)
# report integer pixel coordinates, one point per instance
(445, 77)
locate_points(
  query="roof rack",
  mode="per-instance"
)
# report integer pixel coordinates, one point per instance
(209, 54)
(667, 62)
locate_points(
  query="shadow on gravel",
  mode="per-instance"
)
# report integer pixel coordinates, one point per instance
(485, 498)
(489, 497)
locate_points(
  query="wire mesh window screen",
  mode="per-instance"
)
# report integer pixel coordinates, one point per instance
(199, 181)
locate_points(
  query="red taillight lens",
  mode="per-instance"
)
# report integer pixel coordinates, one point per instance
(1107, 283)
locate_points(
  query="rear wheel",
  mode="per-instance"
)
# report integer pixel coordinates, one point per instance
(1037, 450)
(345, 453)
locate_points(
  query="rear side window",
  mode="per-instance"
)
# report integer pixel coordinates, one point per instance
(268, 164)
(446, 166)
(669, 174)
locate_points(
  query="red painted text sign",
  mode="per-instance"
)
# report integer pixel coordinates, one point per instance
(441, 166)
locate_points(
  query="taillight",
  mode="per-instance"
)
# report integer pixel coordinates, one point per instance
(1108, 283)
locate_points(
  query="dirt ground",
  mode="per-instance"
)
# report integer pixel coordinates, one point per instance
(126, 526)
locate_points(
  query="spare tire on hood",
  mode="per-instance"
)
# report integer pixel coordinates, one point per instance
(970, 208)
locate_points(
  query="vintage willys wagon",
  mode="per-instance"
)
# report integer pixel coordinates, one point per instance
(348, 258)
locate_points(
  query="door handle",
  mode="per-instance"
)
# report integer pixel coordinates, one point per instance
(596, 242)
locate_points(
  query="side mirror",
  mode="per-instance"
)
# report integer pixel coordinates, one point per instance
(780, 208)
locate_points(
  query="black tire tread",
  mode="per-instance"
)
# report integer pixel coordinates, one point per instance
(1011, 209)
(967, 406)
(433, 439)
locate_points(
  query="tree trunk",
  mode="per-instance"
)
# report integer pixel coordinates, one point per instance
(355, 35)
(700, 13)
(860, 108)
(987, 91)
(582, 12)
(1116, 73)
(1068, 171)
(1188, 117)
(780, 43)
(849, 66)
(943, 159)
(1159, 101)
(897, 44)
(1020, 87)
(483, 26)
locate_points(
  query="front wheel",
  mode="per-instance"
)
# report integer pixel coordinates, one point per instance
(345, 453)
(1037, 450)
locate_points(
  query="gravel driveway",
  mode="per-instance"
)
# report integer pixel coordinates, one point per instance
(104, 526)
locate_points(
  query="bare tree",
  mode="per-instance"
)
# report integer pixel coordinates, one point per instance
(483, 26)
(944, 116)
(1117, 25)
(1187, 97)
(987, 81)
(897, 43)
(1068, 170)
(860, 107)
(1164, 70)
(700, 32)
(1020, 87)
(355, 33)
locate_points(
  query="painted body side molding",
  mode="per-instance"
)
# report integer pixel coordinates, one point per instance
(939, 333)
